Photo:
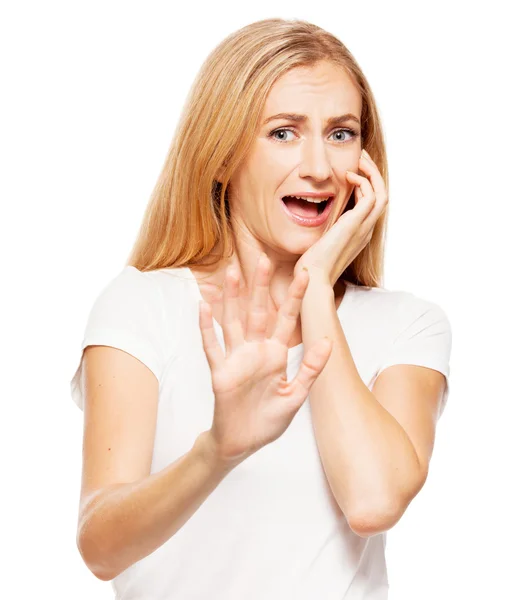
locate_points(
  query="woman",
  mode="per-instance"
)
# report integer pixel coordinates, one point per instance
(206, 472)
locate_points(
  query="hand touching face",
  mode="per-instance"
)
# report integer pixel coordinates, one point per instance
(329, 257)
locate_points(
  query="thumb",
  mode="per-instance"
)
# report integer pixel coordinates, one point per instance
(311, 367)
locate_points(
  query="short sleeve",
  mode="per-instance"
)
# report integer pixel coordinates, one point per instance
(425, 339)
(129, 314)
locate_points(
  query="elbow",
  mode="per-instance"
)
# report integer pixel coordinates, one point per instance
(373, 522)
(369, 522)
(102, 575)
(93, 554)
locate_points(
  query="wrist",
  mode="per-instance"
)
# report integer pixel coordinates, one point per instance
(318, 292)
(211, 453)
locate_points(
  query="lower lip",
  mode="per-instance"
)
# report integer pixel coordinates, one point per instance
(314, 221)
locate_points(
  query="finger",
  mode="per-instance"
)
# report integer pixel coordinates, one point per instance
(369, 167)
(232, 326)
(365, 199)
(365, 188)
(358, 193)
(289, 311)
(371, 218)
(311, 367)
(258, 315)
(213, 350)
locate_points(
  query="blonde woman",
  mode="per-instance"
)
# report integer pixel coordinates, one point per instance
(258, 409)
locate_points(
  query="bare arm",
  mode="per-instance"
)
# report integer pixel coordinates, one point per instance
(127, 512)
(126, 522)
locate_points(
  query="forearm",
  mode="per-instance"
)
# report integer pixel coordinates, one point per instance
(126, 522)
(369, 460)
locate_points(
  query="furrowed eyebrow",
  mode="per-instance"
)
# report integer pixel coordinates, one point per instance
(302, 118)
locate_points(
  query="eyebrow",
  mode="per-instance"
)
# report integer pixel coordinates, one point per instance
(302, 118)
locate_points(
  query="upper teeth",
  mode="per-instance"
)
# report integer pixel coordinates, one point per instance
(316, 200)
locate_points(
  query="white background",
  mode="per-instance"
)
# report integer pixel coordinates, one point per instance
(91, 95)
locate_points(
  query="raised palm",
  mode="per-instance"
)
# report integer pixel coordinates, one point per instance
(254, 402)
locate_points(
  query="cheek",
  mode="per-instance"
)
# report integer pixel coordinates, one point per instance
(273, 161)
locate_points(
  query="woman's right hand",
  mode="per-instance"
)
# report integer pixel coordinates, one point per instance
(254, 403)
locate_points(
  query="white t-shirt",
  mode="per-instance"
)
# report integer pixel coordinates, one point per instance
(271, 529)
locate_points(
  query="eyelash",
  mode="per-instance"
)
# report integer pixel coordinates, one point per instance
(346, 129)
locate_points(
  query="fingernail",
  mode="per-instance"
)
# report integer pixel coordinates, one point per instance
(366, 154)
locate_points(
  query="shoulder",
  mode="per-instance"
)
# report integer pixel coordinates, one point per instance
(397, 301)
(165, 285)
(377, 302)
(397, 310)
(176, 284)
(129, 291)
(146, 303)
(131, 278)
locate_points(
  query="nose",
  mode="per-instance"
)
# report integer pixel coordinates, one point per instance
(314, 161)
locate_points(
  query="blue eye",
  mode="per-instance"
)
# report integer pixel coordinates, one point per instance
(348, 130)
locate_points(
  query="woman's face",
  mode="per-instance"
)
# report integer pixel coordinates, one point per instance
(307, 155)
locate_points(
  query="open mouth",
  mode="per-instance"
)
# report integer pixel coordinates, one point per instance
(305, 213)
(304, 208)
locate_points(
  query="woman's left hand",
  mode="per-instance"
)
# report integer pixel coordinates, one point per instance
(328, 258)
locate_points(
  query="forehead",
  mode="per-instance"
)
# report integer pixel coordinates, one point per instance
(325, 83)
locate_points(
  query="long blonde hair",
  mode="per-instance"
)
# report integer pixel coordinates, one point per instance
(187, 220)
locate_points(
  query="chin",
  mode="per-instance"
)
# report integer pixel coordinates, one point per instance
(298, 243)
